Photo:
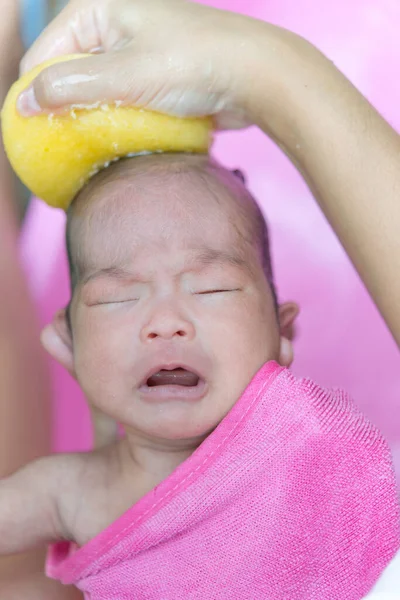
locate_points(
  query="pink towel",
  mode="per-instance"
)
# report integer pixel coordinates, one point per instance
(292, 497)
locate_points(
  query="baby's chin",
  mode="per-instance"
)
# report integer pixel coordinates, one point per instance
(174, 430)
(185, 421)
(185, 437)
(174, 423)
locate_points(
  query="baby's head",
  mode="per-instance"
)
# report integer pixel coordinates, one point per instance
(170, 269)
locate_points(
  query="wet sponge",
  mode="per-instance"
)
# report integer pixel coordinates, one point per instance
(55, 154)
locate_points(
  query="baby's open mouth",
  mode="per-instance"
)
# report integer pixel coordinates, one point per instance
(176, 383)
(177, 376)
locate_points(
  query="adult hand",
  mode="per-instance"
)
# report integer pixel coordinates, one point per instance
(171, 56)
(187, 59)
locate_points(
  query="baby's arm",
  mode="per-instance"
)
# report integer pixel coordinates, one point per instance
(29, 514)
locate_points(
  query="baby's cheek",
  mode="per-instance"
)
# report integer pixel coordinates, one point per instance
(99, 358)
(246, 334)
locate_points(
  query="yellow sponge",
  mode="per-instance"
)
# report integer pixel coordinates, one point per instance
(55, 154)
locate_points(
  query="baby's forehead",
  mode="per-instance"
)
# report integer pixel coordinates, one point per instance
(155, 204)
(180, 178)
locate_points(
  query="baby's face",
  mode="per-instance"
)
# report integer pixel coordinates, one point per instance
(173, 314)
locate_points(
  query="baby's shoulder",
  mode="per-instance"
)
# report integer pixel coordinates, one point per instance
(85, 481)
(82, 469)
(67, 475)
(56, 473)
(69, 472)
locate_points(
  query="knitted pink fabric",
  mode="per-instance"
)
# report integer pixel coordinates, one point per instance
(292, 497)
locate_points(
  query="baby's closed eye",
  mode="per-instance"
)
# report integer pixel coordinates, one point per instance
(105, 301)
(110, 294)
(216, 290)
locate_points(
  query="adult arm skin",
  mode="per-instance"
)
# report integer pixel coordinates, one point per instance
(25, 424)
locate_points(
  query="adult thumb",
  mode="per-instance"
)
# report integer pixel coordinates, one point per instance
(100, 78)
(74, 30)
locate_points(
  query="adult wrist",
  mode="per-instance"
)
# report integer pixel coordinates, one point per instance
(285, 78)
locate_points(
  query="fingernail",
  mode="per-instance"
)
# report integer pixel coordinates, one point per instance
(27, 105)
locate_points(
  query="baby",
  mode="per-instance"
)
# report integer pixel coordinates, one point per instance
(173, 313)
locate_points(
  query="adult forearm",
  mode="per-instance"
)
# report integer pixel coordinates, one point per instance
(30, 583)
(346, 151)
(24, 386)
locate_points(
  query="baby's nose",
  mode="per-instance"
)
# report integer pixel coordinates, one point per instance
(168, 325)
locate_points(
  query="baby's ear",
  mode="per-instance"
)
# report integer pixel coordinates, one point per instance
(240, 175)
(57, 341)
(287, 316)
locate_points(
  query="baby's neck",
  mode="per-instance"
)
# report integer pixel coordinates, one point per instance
(152, 460)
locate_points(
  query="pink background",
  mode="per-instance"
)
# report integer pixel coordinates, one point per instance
(342, 340)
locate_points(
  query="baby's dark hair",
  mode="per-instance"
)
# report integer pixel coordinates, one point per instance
(259, 232)
(262, 236)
